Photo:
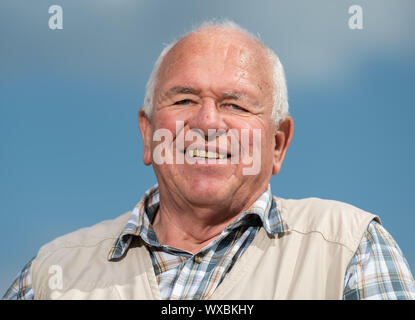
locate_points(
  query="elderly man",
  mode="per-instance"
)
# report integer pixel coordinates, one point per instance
(211, 228)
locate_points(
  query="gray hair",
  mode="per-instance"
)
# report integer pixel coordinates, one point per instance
(280, 95)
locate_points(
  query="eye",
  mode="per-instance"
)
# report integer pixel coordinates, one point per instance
(235, 107)
(183, 102)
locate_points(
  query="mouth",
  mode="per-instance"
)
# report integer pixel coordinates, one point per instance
(203, 154)
(206, 152)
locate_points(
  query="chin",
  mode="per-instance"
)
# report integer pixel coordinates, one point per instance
(207, 191)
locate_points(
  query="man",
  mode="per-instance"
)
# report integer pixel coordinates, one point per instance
(211, 229)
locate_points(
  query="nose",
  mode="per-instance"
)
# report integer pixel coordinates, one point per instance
(208, 117)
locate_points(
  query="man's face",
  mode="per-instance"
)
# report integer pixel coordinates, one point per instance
(213, 81)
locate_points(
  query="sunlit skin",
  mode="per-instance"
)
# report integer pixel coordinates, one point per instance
(212, 79)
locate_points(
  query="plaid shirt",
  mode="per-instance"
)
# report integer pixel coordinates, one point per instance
(378, 269)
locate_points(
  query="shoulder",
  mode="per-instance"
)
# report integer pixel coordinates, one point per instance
(379, 269)
(74, 256)
(89, 236)
(335, 220)
(315, 209)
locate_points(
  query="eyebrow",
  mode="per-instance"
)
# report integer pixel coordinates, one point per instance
(233, 95)
(225, 94)
(181, 89)
(238, 96)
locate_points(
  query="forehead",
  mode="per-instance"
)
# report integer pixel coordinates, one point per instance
(228, 55)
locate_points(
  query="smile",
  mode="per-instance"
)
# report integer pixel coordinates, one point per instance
(200, 153)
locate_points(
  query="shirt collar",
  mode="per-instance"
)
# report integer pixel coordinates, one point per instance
(139, 222)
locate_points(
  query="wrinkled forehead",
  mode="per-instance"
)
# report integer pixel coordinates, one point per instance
(224, 49)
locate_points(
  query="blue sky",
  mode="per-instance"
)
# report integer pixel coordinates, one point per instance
(70, 149)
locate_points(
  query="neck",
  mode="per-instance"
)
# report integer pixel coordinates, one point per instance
(191, 227)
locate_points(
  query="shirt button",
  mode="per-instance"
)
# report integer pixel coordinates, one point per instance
(198, 258)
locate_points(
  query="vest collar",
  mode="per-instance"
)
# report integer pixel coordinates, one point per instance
(139, 222)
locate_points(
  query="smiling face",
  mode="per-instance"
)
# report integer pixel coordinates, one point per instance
(213, 81)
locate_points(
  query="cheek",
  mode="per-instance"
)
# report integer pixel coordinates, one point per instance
(163, 124)
(165, 121)
(171, 119)
(258, 134)
(167, 130)
(268, 144)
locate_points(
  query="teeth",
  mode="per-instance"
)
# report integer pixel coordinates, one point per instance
(203, 154)
(211, 154)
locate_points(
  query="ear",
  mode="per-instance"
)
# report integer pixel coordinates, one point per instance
(283, 136)
(146, 133)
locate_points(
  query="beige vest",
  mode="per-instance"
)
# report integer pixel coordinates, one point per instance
(307, 262)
